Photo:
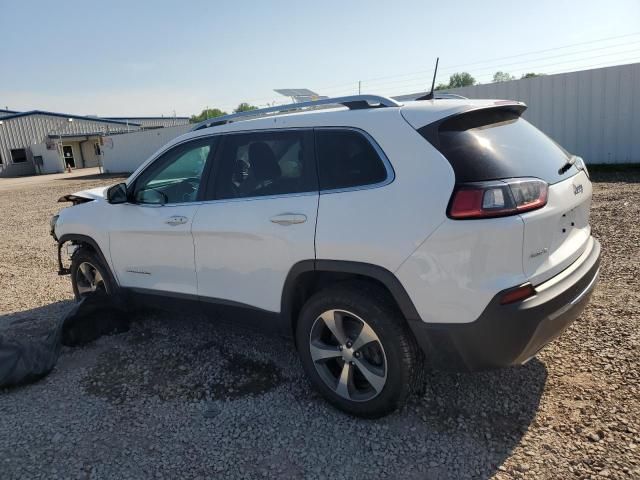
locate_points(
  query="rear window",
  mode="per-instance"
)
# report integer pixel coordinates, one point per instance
(491, 144)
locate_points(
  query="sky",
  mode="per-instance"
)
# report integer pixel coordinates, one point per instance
(138, 58)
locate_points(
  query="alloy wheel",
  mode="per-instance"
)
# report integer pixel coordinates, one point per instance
(348, 355)
(89, 279)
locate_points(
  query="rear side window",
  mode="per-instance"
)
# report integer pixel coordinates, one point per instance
(266, 163)
(491, 144)
(346, 158)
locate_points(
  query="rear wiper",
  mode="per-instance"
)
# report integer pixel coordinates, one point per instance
(567, 165)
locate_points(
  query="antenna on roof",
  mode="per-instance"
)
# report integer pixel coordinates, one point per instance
(429, 96)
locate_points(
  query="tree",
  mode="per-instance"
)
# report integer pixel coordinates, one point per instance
(461, 79)
(442, 86)
(207, 113)
(532, 75)
(502, 77)
(244, 107)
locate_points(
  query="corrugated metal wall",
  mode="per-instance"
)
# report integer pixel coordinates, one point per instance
(593, 113)
(155, 122)
(22, 132)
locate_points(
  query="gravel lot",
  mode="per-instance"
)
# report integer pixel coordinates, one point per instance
(185, 397)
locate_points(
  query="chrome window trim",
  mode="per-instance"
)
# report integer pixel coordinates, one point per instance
(381, 154)
(261, 197)
(152, 160)
(391, 174)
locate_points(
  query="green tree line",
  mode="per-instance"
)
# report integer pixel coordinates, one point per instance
(216, 112)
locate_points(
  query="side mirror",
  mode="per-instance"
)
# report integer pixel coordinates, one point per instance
(151, 197)
(117, 193)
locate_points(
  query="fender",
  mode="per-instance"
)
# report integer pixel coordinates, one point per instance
(381, 274)
(73, 237)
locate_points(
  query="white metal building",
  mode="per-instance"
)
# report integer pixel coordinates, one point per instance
(147, 123)
(124, 153)
(45, 142)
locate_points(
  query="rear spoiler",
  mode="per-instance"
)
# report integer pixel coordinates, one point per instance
(466, 118)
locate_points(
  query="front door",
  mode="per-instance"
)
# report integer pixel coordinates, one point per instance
(150, 239)
(67, 153)
(260, 218)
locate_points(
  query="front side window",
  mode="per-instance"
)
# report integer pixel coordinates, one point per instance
(346, 159)
(175, 176)
(265, 163)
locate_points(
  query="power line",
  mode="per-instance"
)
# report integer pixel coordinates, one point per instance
(509, 56)
(352, 87)
(419, 87)
(501, 66)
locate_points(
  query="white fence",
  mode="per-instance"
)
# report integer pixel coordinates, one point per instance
(130, 150)
(592, 113)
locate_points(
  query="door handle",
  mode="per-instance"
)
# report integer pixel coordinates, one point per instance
(176, 220)
(285, 219)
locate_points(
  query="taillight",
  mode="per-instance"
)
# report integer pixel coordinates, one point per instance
(498, 198)
(517, 294)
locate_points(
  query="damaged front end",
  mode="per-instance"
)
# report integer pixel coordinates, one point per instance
(71, 246)
(75, 199)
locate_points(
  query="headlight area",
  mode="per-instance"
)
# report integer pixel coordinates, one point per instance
(69, 248)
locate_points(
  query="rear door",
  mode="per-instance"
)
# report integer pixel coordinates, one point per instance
(496, 143)
(259, 219)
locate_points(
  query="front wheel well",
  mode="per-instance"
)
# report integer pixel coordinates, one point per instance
(83, 242)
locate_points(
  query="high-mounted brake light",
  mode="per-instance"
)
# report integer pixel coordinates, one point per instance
(498, 198)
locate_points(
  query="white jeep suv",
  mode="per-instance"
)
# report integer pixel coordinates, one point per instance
(380, 236)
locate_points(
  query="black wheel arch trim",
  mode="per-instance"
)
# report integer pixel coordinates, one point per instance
(375, 272)
(76, 237)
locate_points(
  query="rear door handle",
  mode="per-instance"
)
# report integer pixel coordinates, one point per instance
(285, 219)
(176, 220)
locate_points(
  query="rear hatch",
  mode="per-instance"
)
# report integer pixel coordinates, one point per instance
(493, 142)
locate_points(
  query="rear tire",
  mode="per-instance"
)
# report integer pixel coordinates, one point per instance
(89, 274)
(357, 349)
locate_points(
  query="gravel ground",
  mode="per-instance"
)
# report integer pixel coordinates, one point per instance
(180, 396)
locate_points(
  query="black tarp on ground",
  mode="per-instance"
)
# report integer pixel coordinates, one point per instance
(25, 361)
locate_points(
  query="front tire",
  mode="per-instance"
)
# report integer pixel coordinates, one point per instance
(357, 350)
(88, 274)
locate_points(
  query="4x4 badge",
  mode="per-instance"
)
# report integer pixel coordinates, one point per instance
(577, 189)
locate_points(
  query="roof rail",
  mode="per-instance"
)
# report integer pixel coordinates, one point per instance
(353, 102)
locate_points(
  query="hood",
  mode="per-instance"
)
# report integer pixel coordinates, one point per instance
(85, 196)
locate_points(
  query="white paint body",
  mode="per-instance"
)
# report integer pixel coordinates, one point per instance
(243, 256)
(232, 250)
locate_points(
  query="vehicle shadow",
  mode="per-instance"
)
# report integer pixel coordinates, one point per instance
(34, 322)
(461, 425)
(485, 413)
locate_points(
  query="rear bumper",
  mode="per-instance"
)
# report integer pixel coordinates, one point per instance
(506, 335)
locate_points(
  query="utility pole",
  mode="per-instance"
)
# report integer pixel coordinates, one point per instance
(359, 87)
